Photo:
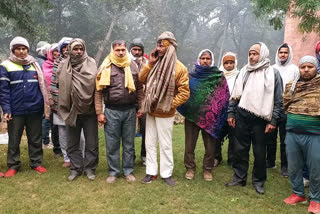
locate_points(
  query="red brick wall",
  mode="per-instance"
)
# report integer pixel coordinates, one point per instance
(302, 44)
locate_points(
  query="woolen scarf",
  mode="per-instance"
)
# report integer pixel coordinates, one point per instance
(77, 76)
(104, 75)
(160, 84)
(257, 94)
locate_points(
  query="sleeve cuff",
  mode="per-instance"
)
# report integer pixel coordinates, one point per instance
(273, 122)
(231, 115)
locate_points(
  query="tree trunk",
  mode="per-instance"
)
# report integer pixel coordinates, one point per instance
(222, 44)
(106, 39)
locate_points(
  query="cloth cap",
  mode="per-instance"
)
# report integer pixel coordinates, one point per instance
(54, 46)
(309, 59)
(167, 35)
(19, 41)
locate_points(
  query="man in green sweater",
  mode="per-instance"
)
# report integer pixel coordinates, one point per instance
(302, 105)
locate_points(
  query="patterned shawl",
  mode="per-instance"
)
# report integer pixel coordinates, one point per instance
(305, 98)
(160, 84)
(209, 100)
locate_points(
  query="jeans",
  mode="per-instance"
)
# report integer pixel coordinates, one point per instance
(120, 125)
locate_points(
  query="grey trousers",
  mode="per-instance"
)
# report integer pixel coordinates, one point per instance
(33, 125)
(89, 162)
(63, 136)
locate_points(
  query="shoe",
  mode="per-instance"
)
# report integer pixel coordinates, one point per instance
(73, 175)
(169, 181)
(40, 169)
(294, 199)
(111, 179)
(148, 179)
(271, 166)
(189, 174)
(143, 161)
(130, 178)
(314, 207)
(59, 155)
(236, 183)
(10, 173)
(1, 174)
(216, 163)
(45, 146)
(305, 182)
(207, 176)
(284, 172)
(66, 164)
(90, 175)
(259, 189)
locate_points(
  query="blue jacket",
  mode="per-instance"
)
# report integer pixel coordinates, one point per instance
(19, 89)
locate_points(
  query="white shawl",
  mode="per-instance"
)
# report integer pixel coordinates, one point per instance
(257, 95)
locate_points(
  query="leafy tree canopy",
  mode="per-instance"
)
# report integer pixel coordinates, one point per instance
(308, 11)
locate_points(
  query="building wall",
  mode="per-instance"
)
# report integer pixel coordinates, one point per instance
(302, 44)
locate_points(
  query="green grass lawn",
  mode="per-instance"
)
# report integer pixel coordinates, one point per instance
(30, 192)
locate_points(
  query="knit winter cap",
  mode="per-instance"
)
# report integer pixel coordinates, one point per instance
(137, 42)
(229, 58)
(42, 48)
(41, 44)
(309, 59)
(16, 41)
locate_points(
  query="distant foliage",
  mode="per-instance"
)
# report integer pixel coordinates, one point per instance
(307, 10)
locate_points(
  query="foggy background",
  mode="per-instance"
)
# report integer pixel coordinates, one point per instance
(219, 25)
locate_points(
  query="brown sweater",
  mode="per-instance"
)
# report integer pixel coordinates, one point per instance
(182, 91)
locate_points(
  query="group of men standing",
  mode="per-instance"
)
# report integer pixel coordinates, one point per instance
(129, 85)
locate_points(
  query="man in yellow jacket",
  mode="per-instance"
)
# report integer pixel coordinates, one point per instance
(167, 87)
